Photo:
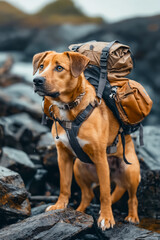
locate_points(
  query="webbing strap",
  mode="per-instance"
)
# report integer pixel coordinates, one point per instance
(72, 129)
(103, 81)
(76, 147)
(123, 144)
(73, 132)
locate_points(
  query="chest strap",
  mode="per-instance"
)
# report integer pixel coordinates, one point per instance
(72, 129)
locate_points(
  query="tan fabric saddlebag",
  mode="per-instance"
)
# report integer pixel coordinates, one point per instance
(133, 102)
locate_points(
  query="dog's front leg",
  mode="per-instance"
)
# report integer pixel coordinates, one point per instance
(106, 219)
(65, 162)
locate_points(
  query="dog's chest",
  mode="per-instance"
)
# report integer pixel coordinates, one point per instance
(64, 139)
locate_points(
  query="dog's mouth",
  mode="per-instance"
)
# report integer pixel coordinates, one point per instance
(42, 93)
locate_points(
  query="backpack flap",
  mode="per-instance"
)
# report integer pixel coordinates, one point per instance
(119, 63)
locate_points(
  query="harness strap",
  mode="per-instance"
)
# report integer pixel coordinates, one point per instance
(72, 129)
(123, 144)
(103, 81)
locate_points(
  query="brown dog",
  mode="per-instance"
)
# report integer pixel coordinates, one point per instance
(61, 80)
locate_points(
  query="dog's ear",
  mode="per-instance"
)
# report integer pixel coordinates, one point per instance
(78, 63)
(37, 59)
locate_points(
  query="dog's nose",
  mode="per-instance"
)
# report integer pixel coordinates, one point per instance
(38, 81)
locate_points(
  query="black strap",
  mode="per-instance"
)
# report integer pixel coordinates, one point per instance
(123, 144)
(103, 81)
(73, 132)
(72, 129)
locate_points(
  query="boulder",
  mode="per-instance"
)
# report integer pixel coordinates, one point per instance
(58, 224)
(21, 131)
(17, 161)
(47, 148)
(37, 185)
(46, 142)
(149, 153)
(129, 231)
(14, 203)
(19, 98)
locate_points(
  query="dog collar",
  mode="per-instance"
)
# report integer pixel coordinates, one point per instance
(71, 105)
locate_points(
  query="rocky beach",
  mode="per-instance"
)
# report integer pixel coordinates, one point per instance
(29, 175)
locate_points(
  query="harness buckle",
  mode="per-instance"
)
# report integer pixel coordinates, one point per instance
(50, 111)
(68, 124)
(98, 102)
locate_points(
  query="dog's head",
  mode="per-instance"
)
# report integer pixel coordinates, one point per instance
(57, 73)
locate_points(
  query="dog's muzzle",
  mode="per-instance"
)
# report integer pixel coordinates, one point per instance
(39, 88)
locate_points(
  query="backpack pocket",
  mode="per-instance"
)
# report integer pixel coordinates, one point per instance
(133, 102)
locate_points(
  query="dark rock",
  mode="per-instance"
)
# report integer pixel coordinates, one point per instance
(15, 38)
(44, 199)
(59, 224)
(21, 131)
(47, 148)
(66, 34)
(46, 142)
(149, 153)
(9, 79)
(14, 203)
(39, 209)
(129, 231)
(17, 161)
(148, 194)
(19, 98)
(37, 184)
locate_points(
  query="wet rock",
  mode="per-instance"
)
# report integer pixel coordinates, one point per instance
(37, 184)
(36, 200)
(15, 38)
(17, 161)
(148, 194)
(59, 224)
(20, 98)
(149, 153)
(129, 231)
(21, 131)
(46, 142)
(14, 203)
(6, 78)
(47, 148)
(39, 209)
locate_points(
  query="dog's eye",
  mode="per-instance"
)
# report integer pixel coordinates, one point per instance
(59, 68)
(41, 66)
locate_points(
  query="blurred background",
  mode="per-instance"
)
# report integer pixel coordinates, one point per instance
(32, 26)
(28, 27)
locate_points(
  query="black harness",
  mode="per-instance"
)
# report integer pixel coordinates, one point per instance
(72, 129)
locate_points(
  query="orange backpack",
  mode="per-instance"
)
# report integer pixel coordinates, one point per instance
(109, 64)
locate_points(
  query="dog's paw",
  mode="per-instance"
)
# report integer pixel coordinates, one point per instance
(56, 206)
(132, 219)
(106, 222)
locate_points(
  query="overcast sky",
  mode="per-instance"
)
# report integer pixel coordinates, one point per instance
(111, 10)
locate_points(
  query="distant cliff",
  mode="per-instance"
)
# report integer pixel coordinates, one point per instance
(58, 12)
